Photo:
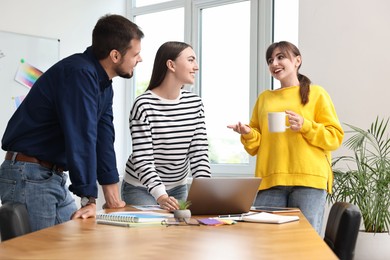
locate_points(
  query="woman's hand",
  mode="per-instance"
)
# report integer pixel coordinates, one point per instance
(240, 128)
(295, 120)
(168, 202)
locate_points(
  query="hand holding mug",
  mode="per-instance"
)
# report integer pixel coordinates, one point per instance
(295, 120)
(277, 121)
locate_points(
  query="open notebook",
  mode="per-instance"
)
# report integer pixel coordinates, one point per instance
(217, 196)
(264, 217)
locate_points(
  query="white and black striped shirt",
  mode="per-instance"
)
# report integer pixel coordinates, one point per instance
(169, 140)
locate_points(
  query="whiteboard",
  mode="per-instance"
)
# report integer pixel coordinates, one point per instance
(22, 57)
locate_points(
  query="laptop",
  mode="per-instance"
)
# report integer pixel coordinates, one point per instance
(222, 196)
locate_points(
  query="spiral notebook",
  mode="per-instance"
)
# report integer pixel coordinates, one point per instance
(133, 216)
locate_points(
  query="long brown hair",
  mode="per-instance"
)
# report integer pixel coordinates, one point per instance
(167, 51)
(290, 50)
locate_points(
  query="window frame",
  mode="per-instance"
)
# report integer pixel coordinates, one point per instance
(261, 36)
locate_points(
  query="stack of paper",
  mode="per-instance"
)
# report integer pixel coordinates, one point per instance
(265, 217)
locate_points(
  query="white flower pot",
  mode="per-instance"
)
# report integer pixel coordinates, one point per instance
(182, 214)
(372, 246)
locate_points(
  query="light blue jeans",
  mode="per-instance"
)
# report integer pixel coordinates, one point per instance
(309, 200)
(134, 195)
(43, 191)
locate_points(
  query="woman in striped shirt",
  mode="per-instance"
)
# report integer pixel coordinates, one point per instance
(168, 133)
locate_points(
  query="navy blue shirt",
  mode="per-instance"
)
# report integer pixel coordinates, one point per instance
(67, 119)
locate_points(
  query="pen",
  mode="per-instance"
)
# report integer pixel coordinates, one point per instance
(237, 215)
(127, 224)
(230, 216)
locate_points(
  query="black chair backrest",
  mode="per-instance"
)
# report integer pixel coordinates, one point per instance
(14, 220)
(342, 229)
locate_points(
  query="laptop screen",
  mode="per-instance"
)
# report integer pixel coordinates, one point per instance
(217, 196)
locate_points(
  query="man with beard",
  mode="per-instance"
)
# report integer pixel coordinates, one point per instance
(65, 123)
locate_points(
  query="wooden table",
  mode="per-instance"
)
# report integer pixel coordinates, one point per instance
(84, 239)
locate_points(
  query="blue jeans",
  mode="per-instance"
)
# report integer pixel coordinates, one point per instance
(135, 195)
(43, 191)
(309, 200)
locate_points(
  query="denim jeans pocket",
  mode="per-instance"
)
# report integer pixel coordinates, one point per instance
(7, 189)
(39, 174)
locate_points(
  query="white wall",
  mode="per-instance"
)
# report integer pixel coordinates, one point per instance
(72, 22)
(345, 48)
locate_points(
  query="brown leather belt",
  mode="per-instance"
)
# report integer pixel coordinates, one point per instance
(25, 158)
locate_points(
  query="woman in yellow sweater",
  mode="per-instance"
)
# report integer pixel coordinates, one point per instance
(295, 165)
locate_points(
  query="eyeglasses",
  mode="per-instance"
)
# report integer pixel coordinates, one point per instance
(176, 222)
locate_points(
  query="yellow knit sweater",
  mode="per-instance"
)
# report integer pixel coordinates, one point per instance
(295, 158)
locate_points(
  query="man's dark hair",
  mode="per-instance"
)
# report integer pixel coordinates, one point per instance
(113, 32)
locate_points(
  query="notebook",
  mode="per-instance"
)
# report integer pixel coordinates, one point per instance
(133, 216)
(218, 196)
(264, 217)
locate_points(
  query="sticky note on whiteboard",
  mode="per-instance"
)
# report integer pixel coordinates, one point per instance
(18, 100)
(27, 74)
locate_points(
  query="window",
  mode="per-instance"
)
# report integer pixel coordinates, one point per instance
(156, 33)
(139, 3)
(224, 54)
(285, 24)
(224, 77)
(230, 38)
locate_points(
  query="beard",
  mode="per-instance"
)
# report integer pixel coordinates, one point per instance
(125, 75)
(121, 73)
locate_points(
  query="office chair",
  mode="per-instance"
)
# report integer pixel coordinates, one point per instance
(14, 220)
(342, 229)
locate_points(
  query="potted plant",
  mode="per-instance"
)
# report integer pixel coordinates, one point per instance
(183, 213)
(367, 183)
(365, 179)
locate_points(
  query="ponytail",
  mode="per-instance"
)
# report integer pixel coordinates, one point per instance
(304, 88)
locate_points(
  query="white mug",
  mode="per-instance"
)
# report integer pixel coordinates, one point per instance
(277, 122)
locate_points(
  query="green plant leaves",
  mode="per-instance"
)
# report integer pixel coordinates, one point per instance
(365, 179)
(183, 204)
